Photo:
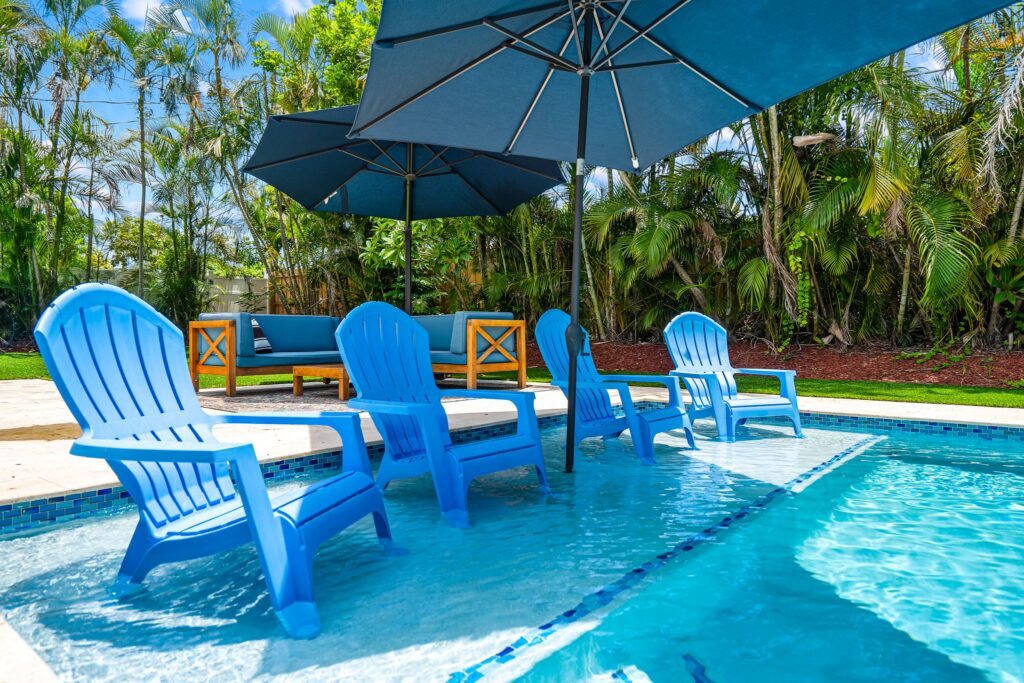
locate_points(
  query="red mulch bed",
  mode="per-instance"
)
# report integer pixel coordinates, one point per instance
(812, 362)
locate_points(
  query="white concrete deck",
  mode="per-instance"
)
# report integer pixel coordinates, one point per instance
(36, 431)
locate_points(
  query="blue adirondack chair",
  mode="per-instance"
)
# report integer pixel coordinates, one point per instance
(594, 414)
(120, 367)
(700, 350)
(387, 355)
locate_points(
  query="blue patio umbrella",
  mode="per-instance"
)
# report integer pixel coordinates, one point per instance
(309, 157)
(619, 83)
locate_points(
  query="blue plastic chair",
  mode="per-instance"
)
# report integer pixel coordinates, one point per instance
(120, 367)
(594, 414)
(700, 350)
(387, 356)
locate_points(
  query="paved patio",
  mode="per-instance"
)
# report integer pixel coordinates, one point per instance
(36, 428)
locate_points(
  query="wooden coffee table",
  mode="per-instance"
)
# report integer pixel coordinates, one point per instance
(325, 372)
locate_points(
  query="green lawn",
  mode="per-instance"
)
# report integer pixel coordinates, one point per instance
(30, 366)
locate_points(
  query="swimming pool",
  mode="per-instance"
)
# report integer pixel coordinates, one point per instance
(750, 561)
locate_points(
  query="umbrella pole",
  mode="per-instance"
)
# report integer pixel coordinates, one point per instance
(409, 180)
(574, 334)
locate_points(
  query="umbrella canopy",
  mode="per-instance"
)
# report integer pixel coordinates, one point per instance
(309, 157)
(618, 83)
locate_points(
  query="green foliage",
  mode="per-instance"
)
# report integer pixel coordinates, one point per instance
(891, 217)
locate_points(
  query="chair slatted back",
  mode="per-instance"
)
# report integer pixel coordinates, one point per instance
(591, 404)
(120, 367)
(387, 357)
(696, 341)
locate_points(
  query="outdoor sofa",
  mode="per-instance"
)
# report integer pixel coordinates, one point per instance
(228, 344)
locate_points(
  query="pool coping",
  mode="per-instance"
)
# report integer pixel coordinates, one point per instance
(21, 662)
(28, 514)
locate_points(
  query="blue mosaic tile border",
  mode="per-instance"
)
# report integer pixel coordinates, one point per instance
(606, 595)
(32, 515)
(888, 425)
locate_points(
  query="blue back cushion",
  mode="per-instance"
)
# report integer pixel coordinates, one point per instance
(299, 332)
(459, 331)
(439, 330)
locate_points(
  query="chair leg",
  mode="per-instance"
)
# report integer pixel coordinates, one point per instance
(730, 423)
(798, 432)
(455, 509)
(452, 496)
(643, 440)
(380, 522)
(688, 431)
(723, 420)
(542, 472)
(138, 561)
(287, 575)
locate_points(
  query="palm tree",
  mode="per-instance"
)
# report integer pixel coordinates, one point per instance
(137, 51)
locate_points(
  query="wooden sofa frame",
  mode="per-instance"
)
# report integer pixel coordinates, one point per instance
(476, 360)
(228, 369)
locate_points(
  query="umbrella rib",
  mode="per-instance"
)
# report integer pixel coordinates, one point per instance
(576, 30)
(476, 191)
(605, 37)
(450, 165)
(612, 68)
(618, 94)
(389, 42)
(684, 62)
(371, 162)
(437, 155)
(468, 66)
(539, 93)
(387, 153)
(542, 51)
(297, 157)
(657, 21)
(299, 118)
(509, 162)
(337, 189)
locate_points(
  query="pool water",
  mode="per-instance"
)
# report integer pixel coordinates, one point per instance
(904, 561)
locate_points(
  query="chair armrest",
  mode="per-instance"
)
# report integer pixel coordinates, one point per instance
(787, 380)
(161, 451)
(347, 425)
(697, 373)
(526, 415)
(675, 397)
(763, 371)
(372, 405)
(517, 397)
(590, 384)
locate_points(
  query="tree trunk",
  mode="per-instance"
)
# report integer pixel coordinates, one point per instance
(61, 218)
(694, 290)
(142, 205)
(1011, 237)
(92, 226)
(593, 291)
(901, 316)
(775, 237)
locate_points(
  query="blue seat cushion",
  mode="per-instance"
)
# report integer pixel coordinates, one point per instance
(283, 358)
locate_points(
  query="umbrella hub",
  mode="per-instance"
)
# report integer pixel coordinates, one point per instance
(410, 177)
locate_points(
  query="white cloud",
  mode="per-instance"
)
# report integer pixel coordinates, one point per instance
(137, 10)
(293, 7)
